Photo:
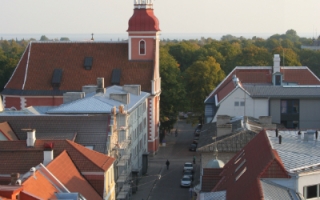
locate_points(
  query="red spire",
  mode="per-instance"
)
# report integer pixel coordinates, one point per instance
(143, 18)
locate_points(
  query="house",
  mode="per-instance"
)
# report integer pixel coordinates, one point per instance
(48, 167)
(276, 164)
(314, 46)
(47, 70)
(289, 95)
(127, 140)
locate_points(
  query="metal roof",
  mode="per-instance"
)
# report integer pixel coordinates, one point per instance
(297, 155)
(282, 91)
(273, 191)
(99, 103)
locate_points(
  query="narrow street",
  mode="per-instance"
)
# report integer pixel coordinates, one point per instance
(177, 152)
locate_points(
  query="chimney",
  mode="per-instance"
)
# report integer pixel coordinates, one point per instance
(309, 135)
(73, 96)
(47, 153)
(276, 132)
(133, 89)
(100, 87)
(276, 63)
(123, 98)
(14, 178)
(31, 138)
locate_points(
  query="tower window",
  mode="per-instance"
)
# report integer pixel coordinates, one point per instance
(142, 45)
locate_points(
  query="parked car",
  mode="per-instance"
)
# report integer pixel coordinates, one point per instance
(188, 173)
(186, 181)
(193, 147)
(188, 166)
(198, 130)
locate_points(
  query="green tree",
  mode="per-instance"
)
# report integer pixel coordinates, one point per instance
(64, 39)
(201, 78)
(184, 53)
(254, 56)
(44, 38)
(311, 59)
(173, 92)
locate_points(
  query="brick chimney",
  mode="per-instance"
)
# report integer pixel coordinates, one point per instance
(31, 138)
(47, 153)
(14, 178)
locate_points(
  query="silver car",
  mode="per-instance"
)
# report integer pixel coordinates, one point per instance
(186, 181)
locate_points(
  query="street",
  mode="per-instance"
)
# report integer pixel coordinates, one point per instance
(160, 183)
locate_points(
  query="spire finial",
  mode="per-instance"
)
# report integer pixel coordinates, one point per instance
(92, 36)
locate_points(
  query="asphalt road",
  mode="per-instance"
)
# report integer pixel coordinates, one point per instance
(162, 184)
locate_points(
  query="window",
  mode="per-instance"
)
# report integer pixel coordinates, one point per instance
(242, 103)
(289, 106)
(236, 103)
(310, 192)
(142, 46)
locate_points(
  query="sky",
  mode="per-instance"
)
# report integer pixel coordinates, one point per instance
(180, 17)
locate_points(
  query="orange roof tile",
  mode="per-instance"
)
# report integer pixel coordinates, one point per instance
(44, 57)
(66, 172)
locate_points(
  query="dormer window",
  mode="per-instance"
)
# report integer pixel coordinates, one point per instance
(277, 79)
(142, 47)
(88, 63)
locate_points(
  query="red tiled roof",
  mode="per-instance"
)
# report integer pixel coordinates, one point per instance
(242, 181)
(143, 20)
(40, 186)
(86, 160)
(44, 57)
(6, 191)
(66, 172)
(263, 75)
(7, 131)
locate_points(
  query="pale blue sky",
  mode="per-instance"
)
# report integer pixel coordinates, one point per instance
(175, 16)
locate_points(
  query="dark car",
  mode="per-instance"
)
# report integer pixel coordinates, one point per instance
(198, 130)
(193, 147)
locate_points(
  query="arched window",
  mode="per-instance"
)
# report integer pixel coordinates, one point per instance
(142, 47)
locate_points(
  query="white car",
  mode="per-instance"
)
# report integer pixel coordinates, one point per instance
(186, 181)
(188, 166)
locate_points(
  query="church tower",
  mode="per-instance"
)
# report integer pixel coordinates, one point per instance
(143, 40)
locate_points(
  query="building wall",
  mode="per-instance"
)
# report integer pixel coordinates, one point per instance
(251, 107)
(275, 110)
(109, 182)
(309, 110)
(308, 179)
(23, 102)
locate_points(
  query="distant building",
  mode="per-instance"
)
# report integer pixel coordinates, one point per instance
(314, 46)
(290, 95)
(275, 164)
(47, 70)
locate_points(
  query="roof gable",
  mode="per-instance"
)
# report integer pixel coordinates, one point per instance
(66, 172)
(35, 69)
(241, 174)
(6, 130)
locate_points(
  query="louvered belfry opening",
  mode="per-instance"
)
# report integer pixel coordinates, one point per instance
(88, 63)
